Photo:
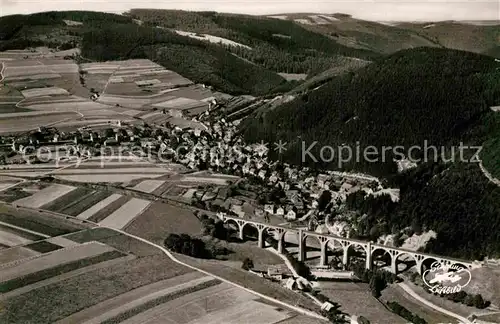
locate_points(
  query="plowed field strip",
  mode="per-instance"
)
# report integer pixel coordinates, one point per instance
(176, 294)
(51, 272)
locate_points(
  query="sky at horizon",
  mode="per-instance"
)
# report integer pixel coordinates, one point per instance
(380, 10)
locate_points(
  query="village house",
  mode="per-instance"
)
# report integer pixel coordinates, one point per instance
(238, 210)
(259, 212)
(280, 211)
(269, 208)
(321, 180)
(273, 178)
(291, 214)
(279, 272)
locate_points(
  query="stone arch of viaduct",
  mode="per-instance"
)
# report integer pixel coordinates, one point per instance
(324, 239)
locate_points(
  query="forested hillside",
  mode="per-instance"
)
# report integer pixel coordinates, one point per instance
(276, 46)
(358, 33)
(280, 46)
(199, 61)
(455, 200)
(103, 36)
(436, 95)
(412, 96)
(49, 28)
(459, 35)
(390, 37)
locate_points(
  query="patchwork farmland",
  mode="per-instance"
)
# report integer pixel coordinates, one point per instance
(88, 268)
(57, 219)
(44, 196)
(142, 84)
(151, 286)
(60, 90)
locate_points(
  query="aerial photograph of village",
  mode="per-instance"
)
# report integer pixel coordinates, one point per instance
(184, 165)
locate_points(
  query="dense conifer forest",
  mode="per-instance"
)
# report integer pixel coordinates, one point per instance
(436, 95)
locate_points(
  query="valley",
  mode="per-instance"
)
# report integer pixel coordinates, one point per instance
(153, 169)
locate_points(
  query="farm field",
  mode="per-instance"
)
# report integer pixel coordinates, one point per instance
(87, 267)
(26, 172)
(83, 203)
(16, 253)
(52, 85)
(133, 77)
(103, 178)
(66, 200)
(159, 219)
(25, 234)
(108, 209)
(70, 104)
(126, 213)
(48, 304)
(10, 107)
(8, 238)
(128, 290)
(37, 223)
(19, 122)
(56, 268)
(395, 293)
(47, 91)
(300, 319)
(185, 123)
(218, 304)
(97, 205)
(44, 246)
(159, 296)
(20, 190)
(109, 170)
(180, 103)
(61, 241)
(7, 182)
(130, 169)
(250, 281)
(456, 308)
(356, 299)
(45, 196)
(112, 238)
(119, 301)
(50, 260)
(148, 186)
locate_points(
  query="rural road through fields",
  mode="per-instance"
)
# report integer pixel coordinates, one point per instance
(24, 229)
(295, 308)
(165, 251)
(14, 184)
(1, 72)
(462, 320)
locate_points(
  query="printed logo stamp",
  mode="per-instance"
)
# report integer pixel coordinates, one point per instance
(446, 279)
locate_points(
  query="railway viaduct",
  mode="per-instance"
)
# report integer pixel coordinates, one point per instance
(345, 244)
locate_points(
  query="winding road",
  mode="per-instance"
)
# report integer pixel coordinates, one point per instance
(172, 257)
(1, 71)
(406, 288)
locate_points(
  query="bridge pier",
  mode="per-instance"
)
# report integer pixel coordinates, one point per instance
(369, 264)
(394, 264)
(241, 236)
(419, 266)
(302, 251)
(345, 243)
(345, 256)
(261, 237)
(281, 242)
(324, 248)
